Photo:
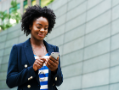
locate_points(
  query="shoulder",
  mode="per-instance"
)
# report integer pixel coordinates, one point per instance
(53, 46)
(49, 45)
(19, 45)
(23, 44)
(56, 48)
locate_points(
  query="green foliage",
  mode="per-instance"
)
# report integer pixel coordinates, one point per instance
(14, 15)
(14, 6)
(5, 26)
(45, 2)
(3, 15)
(50, 2)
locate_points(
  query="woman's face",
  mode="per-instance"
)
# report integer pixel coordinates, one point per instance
(39, 29)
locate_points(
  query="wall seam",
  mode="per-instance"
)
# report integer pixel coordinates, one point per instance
(110, 46)
(84, 44)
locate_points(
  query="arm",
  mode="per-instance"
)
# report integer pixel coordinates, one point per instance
(15, 78)
(57, 77)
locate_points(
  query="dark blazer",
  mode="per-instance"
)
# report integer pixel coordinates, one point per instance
(20, 68)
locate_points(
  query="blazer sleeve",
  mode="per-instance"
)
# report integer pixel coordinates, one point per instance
(15, 78)
(58, 77)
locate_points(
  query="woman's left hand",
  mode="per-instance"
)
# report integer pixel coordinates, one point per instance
(52, 64)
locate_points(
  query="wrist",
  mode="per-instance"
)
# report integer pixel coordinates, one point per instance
(54, 72)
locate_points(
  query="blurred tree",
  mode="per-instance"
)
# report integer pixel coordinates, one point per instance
(45, 2)
(13, 16)
(50, 2)
(3, 17)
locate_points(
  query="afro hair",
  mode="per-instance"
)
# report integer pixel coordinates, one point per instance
(34, 12)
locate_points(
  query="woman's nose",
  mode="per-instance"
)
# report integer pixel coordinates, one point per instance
(42, 29)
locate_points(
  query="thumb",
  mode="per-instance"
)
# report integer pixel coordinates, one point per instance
(57, 58)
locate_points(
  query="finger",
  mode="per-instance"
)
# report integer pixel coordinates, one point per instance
(41, 58)
(38, 66)
(52, 59)
(46, 57)
(49, 65)
(39, 62)
(52, 63)
(58, 58)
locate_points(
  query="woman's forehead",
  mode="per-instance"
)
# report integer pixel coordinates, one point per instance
(41, 20)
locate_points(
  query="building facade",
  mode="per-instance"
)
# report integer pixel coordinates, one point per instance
(5, 5)
(87, 33)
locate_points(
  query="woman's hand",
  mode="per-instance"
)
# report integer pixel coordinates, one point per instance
(52, 63)
(38, 63)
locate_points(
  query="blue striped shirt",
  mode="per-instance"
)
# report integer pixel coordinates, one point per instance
(43, 75)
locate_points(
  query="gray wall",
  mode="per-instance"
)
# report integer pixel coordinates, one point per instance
(87, 34)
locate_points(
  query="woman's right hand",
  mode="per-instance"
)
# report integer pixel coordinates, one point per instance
(38, 63)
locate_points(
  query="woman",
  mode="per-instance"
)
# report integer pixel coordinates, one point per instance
(28, 68)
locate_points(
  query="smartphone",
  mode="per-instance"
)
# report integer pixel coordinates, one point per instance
(55, 54)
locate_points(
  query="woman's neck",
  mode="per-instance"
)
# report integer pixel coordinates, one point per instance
(36, 42)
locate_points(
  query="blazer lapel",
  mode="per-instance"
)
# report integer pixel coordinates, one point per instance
(30, 55)
(29, 52)
(48, 47)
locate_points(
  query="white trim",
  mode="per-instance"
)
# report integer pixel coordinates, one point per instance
(44, 87)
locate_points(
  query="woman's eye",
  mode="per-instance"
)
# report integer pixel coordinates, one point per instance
(38, 27)
(46, 28)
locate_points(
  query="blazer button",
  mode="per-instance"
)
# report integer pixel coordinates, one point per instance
(55, 78)
(28, 86)
(25, 65)
(30, 78)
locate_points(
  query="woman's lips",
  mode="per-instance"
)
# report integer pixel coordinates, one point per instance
(40, 35)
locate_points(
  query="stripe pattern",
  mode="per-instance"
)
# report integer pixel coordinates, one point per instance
(43, 75)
